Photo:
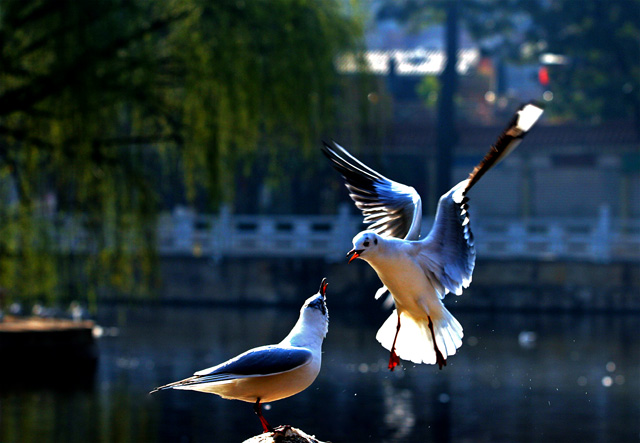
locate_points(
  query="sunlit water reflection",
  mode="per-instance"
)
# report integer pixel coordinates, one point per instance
(524, 378)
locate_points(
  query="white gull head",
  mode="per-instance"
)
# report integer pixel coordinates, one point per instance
(365, 244)
(313, 324)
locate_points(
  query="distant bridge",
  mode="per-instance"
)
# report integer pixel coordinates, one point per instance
(600, 239)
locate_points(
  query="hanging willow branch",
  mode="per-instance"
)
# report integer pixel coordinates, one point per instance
(105, 103)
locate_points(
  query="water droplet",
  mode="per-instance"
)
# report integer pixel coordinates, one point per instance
(611, 366)
(527, 339)
(607, 381)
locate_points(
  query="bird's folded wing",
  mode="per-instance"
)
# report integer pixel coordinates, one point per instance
(392, 209)
(448, 252)
(257, 362)
(265, 360)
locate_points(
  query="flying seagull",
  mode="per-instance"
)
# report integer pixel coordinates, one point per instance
(420, 272)
(272, 372)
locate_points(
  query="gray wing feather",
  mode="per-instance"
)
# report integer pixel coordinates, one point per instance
(449, 251)
(392, 209)
(265, 360)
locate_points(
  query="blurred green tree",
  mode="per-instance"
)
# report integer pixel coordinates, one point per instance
(101, 100)
(599, 78)
(598, 41)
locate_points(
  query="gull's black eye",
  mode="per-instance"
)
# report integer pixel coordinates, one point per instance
(375, 241)
(366, 244)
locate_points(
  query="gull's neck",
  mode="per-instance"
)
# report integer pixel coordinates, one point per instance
(309, 331)
(387, 248)
(391, 257)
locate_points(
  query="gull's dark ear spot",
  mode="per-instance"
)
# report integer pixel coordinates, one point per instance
(375, 241)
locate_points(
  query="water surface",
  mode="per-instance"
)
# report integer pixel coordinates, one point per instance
(517, 378)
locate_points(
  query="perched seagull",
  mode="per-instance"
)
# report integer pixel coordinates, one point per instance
(272, 372)
(420, 272)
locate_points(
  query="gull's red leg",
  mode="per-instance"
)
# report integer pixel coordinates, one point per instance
(440, 360)
(394, 360)
(263, 421)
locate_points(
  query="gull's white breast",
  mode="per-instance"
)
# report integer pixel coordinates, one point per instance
(411, 289)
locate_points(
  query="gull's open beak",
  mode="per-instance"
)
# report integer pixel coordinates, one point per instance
(356, 253)
(323, 288)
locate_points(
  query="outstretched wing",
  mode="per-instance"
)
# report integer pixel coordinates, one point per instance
(448, 251)
(257, 362)
(393, 209)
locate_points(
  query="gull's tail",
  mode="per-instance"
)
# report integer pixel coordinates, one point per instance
(415, 341)
(176, 384)
(520, 124)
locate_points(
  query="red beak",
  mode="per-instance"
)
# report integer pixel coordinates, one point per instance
(356, 254)
(323, 287)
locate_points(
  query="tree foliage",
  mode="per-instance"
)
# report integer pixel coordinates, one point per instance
(599, 38)
(102, 102)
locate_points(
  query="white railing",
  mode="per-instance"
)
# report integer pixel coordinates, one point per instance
(226, 235)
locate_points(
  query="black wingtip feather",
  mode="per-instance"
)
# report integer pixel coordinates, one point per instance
(354, 174)
(507, 141)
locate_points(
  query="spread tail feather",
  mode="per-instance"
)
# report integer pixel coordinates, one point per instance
(415, 341)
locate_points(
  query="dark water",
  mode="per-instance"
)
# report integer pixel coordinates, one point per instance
(517, 378)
